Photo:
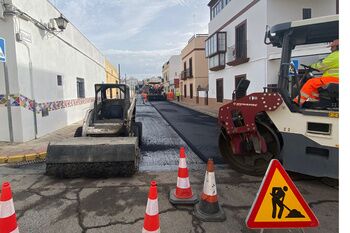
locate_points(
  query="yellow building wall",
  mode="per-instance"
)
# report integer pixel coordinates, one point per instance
(111, 76)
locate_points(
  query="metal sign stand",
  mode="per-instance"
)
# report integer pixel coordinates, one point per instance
(9, 113)
(262, 231)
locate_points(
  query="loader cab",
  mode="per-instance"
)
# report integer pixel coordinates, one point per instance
(111, 102)
(304, 32)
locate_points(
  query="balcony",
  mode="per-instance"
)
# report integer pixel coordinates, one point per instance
(183, 76)
(235, 58)
(217, 62)
(186, 74)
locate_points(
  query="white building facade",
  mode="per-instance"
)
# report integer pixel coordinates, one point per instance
(235, 47)
(51, 73)
(175, 66)
(171, 70)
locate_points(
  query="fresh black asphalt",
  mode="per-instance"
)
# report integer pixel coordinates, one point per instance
(198, 130)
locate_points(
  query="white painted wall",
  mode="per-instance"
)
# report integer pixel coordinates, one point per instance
(7, 26)
(175, 66)
(256, 48)
(51, 56)
(262, 69)
(287, 11)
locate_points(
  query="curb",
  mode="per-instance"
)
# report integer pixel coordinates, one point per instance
(22, 158)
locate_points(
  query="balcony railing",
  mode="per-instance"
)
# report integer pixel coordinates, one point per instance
(234, 59)
(183, 76)
(188, 73)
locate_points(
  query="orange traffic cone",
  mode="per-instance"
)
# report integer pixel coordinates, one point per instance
(151, 220)
(208, 208)
(8, 222)
(183, 193)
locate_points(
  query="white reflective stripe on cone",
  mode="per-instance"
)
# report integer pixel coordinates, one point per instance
(145, 231)
(183, 182)
(209, 187)
(152, 207)
(182, 163)
(15, 231)
(6, 208)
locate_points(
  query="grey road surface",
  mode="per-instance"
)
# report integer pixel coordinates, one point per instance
(45, 204)
(160, 143)
(48, 205)
(199, 130)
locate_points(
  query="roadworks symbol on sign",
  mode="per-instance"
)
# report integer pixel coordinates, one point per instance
(279, 203)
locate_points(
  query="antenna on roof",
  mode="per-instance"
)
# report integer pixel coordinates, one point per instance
(194, 23)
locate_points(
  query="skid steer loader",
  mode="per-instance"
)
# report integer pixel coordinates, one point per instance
(268, 125)
(108, 142)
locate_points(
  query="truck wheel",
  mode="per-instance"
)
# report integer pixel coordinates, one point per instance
(78, 132)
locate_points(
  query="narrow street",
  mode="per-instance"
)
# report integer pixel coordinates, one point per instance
(177, 116)
(45, 204)
(200, 131)
(160, 143)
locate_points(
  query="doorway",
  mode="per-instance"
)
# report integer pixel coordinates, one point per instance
(219, 90)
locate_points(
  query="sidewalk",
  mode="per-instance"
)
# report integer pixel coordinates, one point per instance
(34, 149)
(205, 109)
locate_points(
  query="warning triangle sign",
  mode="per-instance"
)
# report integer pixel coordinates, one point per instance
(279, 203)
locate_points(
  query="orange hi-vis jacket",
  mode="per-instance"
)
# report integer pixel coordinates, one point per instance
(330, 68)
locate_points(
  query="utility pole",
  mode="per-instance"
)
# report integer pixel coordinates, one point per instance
(120, 79)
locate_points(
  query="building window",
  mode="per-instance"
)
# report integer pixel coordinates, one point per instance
(217, 62)
(215, 44)
(59, 80)
(306, 13)
(214, 10)
(220, 90)
(80, 88)
(238, 53)
(185, 91)
(215, 49)
(241, 40)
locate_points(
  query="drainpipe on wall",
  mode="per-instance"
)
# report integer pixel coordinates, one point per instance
(9, 113)
(10, 10)
(32, 89)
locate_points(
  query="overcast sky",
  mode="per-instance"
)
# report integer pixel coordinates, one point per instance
(138, 34)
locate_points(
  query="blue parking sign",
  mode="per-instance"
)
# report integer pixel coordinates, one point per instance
(2, 50)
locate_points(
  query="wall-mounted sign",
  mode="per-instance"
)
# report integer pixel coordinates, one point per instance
(24, 36)
(176, 82)
(2, 50)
